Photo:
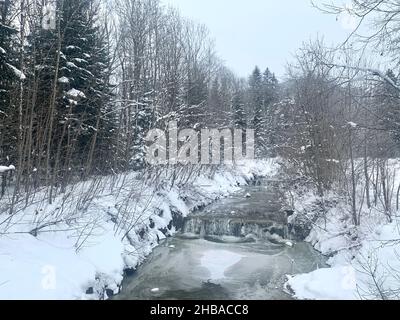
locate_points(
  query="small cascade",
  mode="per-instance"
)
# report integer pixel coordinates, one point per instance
(255, 211)
(225, 226)
(216, 227)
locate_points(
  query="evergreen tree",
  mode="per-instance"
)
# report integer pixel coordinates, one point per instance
(270, 90)
(215, 103)
(196, 94)
(41, 58)
(239, 116)
(85, 79)
(82, 116)
(9, 79)
(386, 102)
(257, 107)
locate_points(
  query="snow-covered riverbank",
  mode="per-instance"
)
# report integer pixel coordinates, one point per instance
(364, 260)
(75, 250)
(366, 268)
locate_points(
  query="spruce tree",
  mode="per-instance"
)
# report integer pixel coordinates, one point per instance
(257, 107)
(270, 97)
(9, 79)
(270, 88)
(85, 80)
(83, 114)
(239, 116)
(386, 102)
(41, 57)
(215, 104)
(196, 94)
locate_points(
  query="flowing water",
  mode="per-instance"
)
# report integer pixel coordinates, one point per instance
(228, 251)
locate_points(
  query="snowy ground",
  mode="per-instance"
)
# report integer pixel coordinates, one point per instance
(368, 271)
(365, 261)
(79, 246)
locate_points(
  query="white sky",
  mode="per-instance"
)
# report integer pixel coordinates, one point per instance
(263, 32)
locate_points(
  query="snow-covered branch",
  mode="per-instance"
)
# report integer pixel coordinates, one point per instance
(4, 169)
(374, 72)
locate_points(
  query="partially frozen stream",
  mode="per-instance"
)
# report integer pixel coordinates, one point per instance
(224, 266)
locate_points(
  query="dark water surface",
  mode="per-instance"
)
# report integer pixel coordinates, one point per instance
(222, 266)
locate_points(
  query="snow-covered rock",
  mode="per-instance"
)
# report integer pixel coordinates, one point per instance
(289, 244)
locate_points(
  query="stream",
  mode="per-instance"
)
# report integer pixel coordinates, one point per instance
(229, 250)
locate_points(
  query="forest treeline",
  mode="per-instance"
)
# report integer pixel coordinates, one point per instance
(81, 86)
(80, 89)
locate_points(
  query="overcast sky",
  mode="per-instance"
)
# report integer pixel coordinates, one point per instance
(263, 32)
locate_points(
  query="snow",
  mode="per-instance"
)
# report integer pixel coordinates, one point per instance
(74, 93)
(18, 73)
(72, 65)
(360, 256)
(73, 48)
(177, 202)
(217, 262)
(374, 72)
(333, 161)
(43, 268)
(324, 284)
(347, 279)
(2, 51)
(5, 169)
(91, 247)
(352, 124)
(9, 28)
(79, 60)
(63, 80)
